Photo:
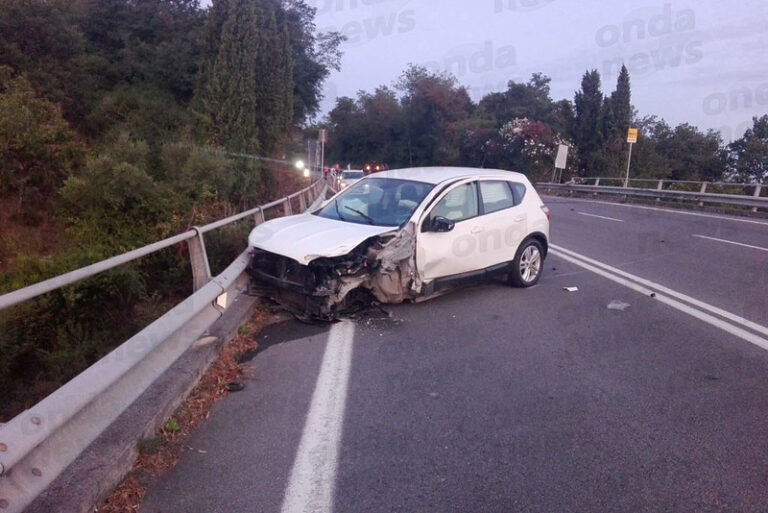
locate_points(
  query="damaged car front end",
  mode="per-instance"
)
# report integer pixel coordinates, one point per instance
(358, 248)
(381, 268)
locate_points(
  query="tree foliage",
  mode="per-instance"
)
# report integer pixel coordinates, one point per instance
(748, 155)
(106, 109)
(38, 149)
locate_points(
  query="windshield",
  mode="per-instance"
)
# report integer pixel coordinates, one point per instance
(377, 201)
(347, 175)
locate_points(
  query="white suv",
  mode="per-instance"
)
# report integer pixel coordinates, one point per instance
(405, 234)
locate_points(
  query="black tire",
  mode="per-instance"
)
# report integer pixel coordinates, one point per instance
(528, 264)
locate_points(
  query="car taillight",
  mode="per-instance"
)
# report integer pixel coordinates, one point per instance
(546, 212)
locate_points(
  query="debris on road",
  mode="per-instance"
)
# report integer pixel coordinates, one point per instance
(235, 386)
(571, 289)
(618, 305)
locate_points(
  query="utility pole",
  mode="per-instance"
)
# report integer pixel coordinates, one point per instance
(323, 138)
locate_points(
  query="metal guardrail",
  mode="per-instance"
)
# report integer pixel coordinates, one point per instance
(38, 444)
(755, 201)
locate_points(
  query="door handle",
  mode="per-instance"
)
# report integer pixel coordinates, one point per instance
(476, 229)
(520, 218)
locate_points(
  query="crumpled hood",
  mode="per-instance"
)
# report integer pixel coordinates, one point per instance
(305, 237)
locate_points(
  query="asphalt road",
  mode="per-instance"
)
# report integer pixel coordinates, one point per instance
(494, 399)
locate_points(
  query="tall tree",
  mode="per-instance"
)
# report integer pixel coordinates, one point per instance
(431, 103)
(748, 156)
(314, 56)
(225, 99)
(588, 134)
(244, 98)
(621, 106)
(521, 100)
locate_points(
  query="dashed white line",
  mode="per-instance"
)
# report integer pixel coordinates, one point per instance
(601, 217)
(313, 477)
(731, 242)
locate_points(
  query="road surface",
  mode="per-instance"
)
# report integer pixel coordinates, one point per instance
(645, 390)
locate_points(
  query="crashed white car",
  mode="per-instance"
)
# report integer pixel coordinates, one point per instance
(405, 234)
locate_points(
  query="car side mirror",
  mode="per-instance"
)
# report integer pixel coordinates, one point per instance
(441, 224)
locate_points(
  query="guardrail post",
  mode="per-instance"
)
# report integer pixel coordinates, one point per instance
(660, 185)
(287, 207)
(302, 202)
(258, 217)
(198, 258)
(702, 191)
(597, 181)
(758, 189)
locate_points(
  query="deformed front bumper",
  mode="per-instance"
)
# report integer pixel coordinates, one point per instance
(380, 269)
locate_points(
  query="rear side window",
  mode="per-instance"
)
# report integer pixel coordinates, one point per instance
(518, 190)
(496, 196)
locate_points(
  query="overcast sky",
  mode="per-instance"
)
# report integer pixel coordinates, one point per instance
(703, 62)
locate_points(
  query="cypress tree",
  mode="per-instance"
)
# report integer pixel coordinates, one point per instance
(225, 102)
(588, 133)
(245, 92)
(621, 108)
(274, 84)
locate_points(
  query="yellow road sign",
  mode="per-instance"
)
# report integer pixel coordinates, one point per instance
(632, 135)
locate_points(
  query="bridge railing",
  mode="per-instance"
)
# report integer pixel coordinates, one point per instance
(721, 193)
(39, 443)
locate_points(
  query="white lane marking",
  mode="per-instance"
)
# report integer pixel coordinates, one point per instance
(730, 242)
(667, 210)
(313, 477)
(698, 314)
(661, 288)
(601, 217)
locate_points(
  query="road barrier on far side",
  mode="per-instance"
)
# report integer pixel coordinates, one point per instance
(658, 192)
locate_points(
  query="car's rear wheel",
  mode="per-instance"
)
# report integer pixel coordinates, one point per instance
(528, 264)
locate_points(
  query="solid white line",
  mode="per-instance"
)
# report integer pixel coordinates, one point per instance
(313, 477)
(667, 210)
(698, 314)
(661, 288)
(601, 217)
(731, 242)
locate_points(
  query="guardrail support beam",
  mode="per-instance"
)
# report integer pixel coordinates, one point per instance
(758, 190)
(198, 258)
(302, 202)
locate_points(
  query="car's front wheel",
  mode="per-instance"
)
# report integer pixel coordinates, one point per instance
(528, 264)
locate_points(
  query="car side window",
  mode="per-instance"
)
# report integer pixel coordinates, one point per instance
(518, 190)
(457, 205)
(496, 195)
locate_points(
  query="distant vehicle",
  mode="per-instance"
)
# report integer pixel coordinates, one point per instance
(374, 167)
(348, 177)
(402, 235)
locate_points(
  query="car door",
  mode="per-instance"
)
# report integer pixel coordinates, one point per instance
(448, 253)
(503, 222)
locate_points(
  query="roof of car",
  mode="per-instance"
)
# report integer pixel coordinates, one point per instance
(439, 174)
